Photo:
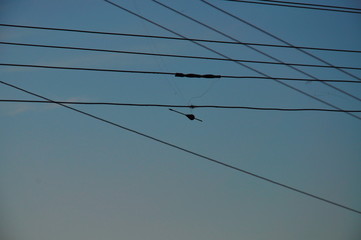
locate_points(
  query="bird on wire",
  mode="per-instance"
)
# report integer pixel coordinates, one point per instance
(189, 116)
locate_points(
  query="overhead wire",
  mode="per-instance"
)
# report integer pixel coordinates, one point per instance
(262, 52)
(170, 55)
(176, 38)
(225, 56)
(175, 74)
(185, 150)
(312, 4)
(181, 106)
(302, 5)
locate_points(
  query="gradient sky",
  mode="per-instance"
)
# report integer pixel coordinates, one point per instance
(67, 176)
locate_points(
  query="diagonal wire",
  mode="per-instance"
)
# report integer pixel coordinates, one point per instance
(255, 49)
(185, 150)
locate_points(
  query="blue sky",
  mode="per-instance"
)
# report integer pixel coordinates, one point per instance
(66, 176)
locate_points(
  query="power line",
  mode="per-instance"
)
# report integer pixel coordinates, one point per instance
(225, 56)
(177, 38)
(175, 74)
(259, 51)
(279, 39)
(82, 69)
(312, 4)
(171, 55)
(185, 150)
(181, 106)
(293, 79)
(302, 5)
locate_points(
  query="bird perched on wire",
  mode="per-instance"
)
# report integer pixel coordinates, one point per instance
(189, 116)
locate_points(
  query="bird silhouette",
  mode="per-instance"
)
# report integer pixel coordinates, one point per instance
(189, 116)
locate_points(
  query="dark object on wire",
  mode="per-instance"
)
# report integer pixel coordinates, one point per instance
(189, 116)
(193, 75)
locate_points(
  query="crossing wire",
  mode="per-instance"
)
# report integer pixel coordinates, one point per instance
(187, 150)
(171, 55)
(176, 38)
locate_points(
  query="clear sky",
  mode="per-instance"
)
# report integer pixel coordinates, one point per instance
(66, 176)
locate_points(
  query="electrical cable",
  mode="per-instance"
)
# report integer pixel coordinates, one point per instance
(186, 150)
(262, 52)
(177, 38)
(312, 4)
(186, 75)
(181, 106)
(171, 55)
(223, 55)
(302, 5)
(82, 69)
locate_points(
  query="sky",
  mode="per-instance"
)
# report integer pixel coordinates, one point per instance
(64, 175)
